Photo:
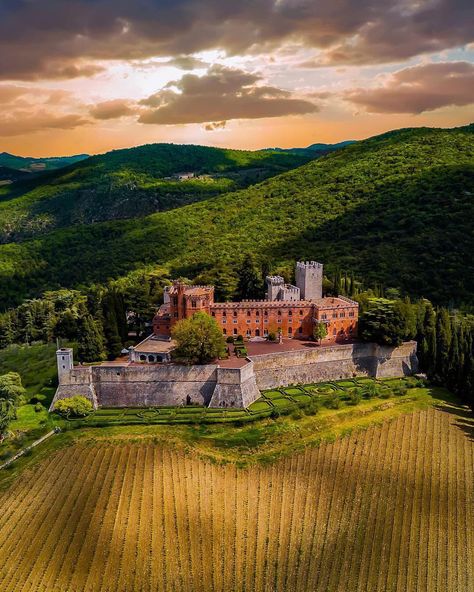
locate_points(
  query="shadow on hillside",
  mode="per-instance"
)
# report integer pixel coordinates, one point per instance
(410, 232)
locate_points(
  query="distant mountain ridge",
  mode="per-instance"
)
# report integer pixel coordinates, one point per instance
(11, 175)
(316, 150)
(33, 165)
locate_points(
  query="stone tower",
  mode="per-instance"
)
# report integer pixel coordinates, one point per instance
(274, 284)
(309, 279)
(65, 362)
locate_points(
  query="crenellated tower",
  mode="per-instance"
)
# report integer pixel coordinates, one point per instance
(309, 279)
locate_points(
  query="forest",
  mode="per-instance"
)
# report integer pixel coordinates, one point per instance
(395, 209)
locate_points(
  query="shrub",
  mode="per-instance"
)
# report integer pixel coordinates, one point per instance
(354, 398)
(312, 408)
(296, 414)
(239, 339)
(332, 402)
(76, 406)
(38, 407)
(272, 336)
(230, 339)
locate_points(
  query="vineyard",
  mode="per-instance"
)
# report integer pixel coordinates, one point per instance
(385, 509)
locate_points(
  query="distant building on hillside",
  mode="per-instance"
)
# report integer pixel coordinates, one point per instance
(184, 176)
(289, 310)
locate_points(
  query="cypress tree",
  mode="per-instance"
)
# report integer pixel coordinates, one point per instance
(249, 284)
(91, 343)
(443, 345)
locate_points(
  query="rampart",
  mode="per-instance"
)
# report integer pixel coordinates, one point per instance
(172, 384)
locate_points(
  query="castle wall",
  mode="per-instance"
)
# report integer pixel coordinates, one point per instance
(333, 363)
(169, 384)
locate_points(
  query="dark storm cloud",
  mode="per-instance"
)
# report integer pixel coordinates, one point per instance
(420, 88)
(61, 38)
(221, 94)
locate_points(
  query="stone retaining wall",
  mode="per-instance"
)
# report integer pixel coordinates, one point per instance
(173, 384)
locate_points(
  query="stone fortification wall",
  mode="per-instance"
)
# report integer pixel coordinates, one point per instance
(156, 385)
(235, 387)
(317, 364)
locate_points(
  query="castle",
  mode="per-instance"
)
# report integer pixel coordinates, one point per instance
(288, 310)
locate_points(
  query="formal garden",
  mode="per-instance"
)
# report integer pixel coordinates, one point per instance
(295, 400)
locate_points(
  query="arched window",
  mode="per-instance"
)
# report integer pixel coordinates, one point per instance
(142, 358)
(279, 313)
(290, 330)
(290, 313)
(257, 313)
(151, 358)
(235, 313)
(193, 303)
(248, 313)
(265, 313)
(257, 332)
(224, 314)
(224, 331)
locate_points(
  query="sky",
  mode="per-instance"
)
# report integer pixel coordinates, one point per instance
(88, 76)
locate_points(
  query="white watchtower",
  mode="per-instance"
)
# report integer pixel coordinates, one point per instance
(65, 361)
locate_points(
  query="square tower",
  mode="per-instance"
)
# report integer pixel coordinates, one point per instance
(274, 285)
(309, 279)
(65, 362)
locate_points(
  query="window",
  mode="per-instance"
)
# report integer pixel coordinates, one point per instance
(265, 332)
(342, 315)
(334, 315)
(290, 313)
(235, 313)
(143, 358)
(301, 313)
(224, 314)
(235, 321)
(265, 312)
(248, 321)
(249, 333)
(351, 314)
(193, 303)
(279, 313)
(324, 316)
(334, 331)
(248, 313)
(300, 330)
(257, 332)
(213, 313)
(224, 331)
(279, 321)
(257, 313)
(265, 320)
(224, 321)
(235, 331)
(290, 330)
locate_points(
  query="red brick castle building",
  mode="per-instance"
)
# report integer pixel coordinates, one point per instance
(289, 310)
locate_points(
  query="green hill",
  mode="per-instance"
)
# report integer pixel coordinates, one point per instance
(396, 209)
(11, 175)
(31, 164)
(130, 183)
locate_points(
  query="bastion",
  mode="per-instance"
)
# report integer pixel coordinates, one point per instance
(229, 383)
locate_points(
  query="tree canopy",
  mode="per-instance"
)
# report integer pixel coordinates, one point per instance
(199, 339)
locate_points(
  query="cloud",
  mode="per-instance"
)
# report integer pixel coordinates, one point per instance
(187, 63)
(26, 123)
(85, 32)
(220, 95)
(114, 109)
(420, 88)
(215, 125)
